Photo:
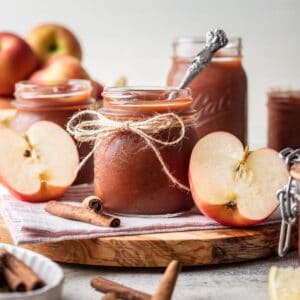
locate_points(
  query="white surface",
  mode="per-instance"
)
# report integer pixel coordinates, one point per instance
(241, 281)
(133, 37)
(49, 271)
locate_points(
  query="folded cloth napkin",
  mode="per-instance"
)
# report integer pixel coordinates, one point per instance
(30, 223)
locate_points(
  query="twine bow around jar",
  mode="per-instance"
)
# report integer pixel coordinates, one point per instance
(93, 126)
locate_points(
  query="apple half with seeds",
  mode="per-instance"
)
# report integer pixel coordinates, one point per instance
(232, 185)
(40, 164)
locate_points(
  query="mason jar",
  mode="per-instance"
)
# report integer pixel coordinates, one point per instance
(130, 175)
(56, 103)
(219, 91)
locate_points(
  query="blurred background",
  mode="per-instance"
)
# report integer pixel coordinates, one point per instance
(134, 37)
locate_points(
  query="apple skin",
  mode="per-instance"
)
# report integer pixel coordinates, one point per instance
(43, 195)
(97, 90)
(50, 40)
(17, 62)
(62, 68)
(6, 103)
(59, 69)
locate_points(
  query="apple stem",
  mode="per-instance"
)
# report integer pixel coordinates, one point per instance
(231, 205)
(245, 155)
(241, 168)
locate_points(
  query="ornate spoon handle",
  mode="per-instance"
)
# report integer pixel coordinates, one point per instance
(214, 41)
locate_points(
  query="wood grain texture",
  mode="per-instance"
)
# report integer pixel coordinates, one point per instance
(193, 248)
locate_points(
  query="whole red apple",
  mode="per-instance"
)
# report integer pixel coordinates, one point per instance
(58, 69)
(63, 68)
(17, 62)
(49, 40)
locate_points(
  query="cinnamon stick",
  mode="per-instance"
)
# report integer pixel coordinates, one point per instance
(109, 296)
(80, 214)
(10, 281)
(3, 283)
(168, 281)
(29, 278)
(121, 291)
(94, 203)
(14, 282)
(4, 289)
(2, 280)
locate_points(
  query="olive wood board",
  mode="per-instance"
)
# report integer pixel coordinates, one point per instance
(191, 248)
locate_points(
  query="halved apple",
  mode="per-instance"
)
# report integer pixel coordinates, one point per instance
(40, 164)
(232, 185)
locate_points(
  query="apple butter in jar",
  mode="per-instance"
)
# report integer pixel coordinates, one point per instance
(141, 167)
(55, 103)
(219, 91)
(283, 118)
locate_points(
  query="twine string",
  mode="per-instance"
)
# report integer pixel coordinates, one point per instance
(93, 126)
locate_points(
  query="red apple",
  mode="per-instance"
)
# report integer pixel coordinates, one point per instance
(59, 69)
(97, 90)
(48, 40)
(40, 164)
(232, 185)
(6, 103)
(17, 62)
(62, 68)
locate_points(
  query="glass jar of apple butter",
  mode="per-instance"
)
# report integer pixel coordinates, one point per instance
(56, 103)
(219, 91)
(283, 118)
(156, 134)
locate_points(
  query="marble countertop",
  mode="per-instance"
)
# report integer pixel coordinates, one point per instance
(244, 281)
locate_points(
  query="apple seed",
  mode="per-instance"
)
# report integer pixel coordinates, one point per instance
(27, 153)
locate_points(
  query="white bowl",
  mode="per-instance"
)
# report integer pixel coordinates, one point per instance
(49, 271)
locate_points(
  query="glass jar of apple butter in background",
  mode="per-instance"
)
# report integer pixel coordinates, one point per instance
(129, 177)
(283, 118)
(219, 91)
(56, 103)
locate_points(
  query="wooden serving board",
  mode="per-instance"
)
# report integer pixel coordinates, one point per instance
(192, 248)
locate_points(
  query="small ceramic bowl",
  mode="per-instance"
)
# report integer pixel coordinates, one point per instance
(49, 271)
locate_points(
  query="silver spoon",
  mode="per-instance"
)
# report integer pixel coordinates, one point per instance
(214, 41)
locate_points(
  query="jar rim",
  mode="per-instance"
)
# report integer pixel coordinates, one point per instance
(28, 87)
(189, 47)
(130, 90)
(283, 92)
(71, 92)
(146, 99)
(234, 41)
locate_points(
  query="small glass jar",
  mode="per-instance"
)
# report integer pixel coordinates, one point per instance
(283, 119)
(55, 103)
(129, 178)
(219, 91)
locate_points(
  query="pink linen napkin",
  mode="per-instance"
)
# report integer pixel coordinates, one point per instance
(29, 223)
